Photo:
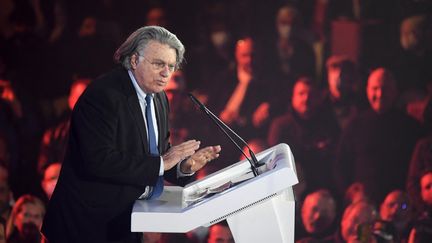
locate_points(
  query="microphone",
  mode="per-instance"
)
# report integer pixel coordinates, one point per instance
(224, 127)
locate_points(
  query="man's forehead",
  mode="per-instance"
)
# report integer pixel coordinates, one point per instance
(157, 50)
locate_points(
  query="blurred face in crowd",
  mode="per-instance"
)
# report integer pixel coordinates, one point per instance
(318, 212)
(29, 213)
(303, 100)
(51, 175)
(256, 146)
(151, 237)
(395, 207)
(411, 33)
(156, 16)
(76, 90)
(243, 54)
(285, 19)
(220, 234)
(175, 89)
(219, 35)
(381, 90)
(354, 216)
(340, 79)
(355, 193)
(88, 27)
(154, 67)
(426, 188)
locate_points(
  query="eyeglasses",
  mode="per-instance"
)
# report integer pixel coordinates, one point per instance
(159, 65)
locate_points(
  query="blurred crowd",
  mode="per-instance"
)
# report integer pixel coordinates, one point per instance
(346, 84)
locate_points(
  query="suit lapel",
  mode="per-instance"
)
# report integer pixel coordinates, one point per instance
(139, 120)
(135, 109)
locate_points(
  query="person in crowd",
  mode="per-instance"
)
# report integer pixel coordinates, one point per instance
(10, 115)
(319, 214)
(54, 140)
(214, 55)
(2, 230)
(184, 117)
(376, 146)
(356, 192)
(256, 145)
(151, 237)
(50, 178)
(341, 93)
(396, 209)
(25, 220)
(422, 228)
(157, 16)
(411, 67)
(356, 223)
(296, 57)
(175, 91)
(119, 144)
(95, 47)
(6, 195)
(246, 92)
(235, 96)
(18, 131)
(421, 160)
(220, 233)
(311, 131)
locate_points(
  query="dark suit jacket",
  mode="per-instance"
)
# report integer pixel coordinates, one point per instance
(107, 164)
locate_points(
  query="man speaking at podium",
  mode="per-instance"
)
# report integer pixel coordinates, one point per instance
(119, 149)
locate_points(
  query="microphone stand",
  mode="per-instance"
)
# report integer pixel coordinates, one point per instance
(223, 127)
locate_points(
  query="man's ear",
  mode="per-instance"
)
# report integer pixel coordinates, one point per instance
(134, 61)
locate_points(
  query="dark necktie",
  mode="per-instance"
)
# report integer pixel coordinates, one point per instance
(157, 190)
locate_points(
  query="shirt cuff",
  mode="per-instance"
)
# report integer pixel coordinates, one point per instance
(162, 167)
(180, 173)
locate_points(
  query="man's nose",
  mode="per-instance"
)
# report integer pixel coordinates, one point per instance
(165, 71)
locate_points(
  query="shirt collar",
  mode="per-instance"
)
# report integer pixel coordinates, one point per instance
(141, 94)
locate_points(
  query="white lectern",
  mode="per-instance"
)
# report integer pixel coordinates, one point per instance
(257, 209)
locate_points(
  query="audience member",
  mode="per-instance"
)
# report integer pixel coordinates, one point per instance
(256, 145)
(301, 187)
(412, 68)
(311, 131)
(182, 116)
(6, 195)
(25, 221)
(151, 237)
(53, 144)
(157, 16)
(247, 92)
(422, 229)
(295, 55)
(319, 214)
(376, 146)
(341, 94)
(356, 192)
(236, 95)
(50, 177)
(396, 209)
(220, 233)
(356, 224)
(2, 230)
